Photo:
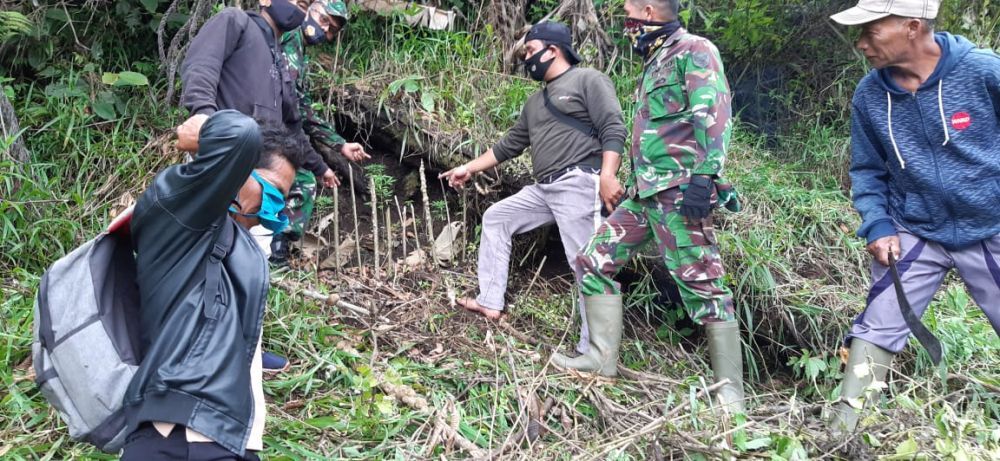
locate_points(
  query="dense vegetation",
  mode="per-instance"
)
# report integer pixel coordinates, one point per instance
(89, 88)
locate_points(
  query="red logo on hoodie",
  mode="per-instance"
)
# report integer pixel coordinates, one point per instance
(961, 120)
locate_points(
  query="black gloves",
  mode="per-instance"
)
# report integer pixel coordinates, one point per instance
(696, 203)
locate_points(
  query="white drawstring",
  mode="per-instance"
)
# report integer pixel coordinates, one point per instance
(892, 137)
(944, 123)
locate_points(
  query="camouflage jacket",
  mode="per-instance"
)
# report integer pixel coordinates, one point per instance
(318, 129)
(683, 118)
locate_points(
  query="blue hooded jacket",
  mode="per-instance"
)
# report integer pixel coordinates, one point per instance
(930, 160)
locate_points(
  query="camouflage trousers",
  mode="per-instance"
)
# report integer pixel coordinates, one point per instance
(299, 204)
(689, 252)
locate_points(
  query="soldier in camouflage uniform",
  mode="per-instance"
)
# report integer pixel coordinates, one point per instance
(680, 133)
(324, 20)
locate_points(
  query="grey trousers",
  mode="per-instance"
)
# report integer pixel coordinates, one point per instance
(572, 203)
(922, 268)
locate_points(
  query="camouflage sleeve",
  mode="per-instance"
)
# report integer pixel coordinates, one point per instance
(711, 106)
(316, 127)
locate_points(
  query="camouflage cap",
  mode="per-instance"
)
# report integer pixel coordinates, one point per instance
(335, 8)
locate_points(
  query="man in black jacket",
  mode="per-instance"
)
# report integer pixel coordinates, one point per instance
(197, 393)
(235, 62)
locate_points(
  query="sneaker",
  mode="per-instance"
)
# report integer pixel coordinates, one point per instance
(273, 363)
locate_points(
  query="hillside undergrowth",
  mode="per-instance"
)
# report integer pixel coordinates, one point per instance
(413, 378)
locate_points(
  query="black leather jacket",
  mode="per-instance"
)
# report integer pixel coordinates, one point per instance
(195, 369)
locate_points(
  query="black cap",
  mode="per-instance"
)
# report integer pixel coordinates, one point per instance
(557, 34)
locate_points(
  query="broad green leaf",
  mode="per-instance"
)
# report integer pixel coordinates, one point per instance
(104, 109)
(109, 78)
(907, 448)
(411, 86)
(150, 5)
(385, 406)
(427, 101)
(814, 366)
(324, 422)
(128, 78)
(757, 444)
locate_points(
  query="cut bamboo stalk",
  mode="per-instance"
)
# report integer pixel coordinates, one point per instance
(336, 228)
(402, 224)
(388, 238)
(331, 299)
(416, 235)
(354, 208)
(427, 213)
(465, 222)
(444, 197)
(371, 185)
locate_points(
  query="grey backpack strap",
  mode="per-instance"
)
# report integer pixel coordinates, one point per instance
(572, 122)
(213, 267)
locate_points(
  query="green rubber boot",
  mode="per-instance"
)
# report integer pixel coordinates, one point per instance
(604, 318)
(726, 353)
(845, 415)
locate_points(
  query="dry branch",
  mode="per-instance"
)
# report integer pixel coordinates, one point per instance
(330, 299)
(655, 425)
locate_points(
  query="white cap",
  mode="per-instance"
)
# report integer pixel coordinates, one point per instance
(873, 10)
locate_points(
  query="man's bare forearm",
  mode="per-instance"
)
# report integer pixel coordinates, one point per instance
(610, 163)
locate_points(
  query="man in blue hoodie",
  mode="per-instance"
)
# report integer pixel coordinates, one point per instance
(925, 174)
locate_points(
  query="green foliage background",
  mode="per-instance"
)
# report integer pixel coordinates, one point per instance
(86, 82)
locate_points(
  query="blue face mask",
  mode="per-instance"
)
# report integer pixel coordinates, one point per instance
(272, 205)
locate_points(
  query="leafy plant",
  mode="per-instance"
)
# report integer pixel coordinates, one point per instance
(384, 183)
(12, 24)
(439, 208)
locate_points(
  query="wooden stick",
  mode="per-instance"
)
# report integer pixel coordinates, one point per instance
(444, 196)
(388, 239)
(655, 425)
(336, 229)
(537, 271)
(371, 185)
(402, 223)
(416, 235)
(465, 222)
(354, 208)
(427, 213)
(331, 299)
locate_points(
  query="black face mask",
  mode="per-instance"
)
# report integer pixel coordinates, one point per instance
(285, 14)
(535, 68)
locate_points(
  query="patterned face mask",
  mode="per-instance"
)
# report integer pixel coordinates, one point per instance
(648, 35)
(313, 31)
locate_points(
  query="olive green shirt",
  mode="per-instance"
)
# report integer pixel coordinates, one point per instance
(582, 93)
